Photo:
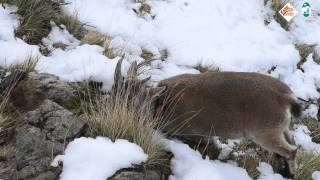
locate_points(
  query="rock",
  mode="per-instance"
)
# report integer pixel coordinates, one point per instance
(41, 135)
(33, 90)
(133, 175)
(53, 88)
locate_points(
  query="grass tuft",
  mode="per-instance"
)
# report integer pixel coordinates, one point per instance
(72, 24)
(26, 66)
(122, 115)
(35, 18)
(313, 125)
(307, 164)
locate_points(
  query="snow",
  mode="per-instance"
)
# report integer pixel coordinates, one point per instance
(211, 32)
(97, 159)
(310, 79)
(13, 50)
(304, 29)
(230, 35)
(311, 111)
(266, 172)
(316, 175)
(188, 164)
(82, 63)
(58, 35)
(302, 138)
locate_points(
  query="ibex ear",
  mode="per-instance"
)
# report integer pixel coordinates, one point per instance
(117, 73)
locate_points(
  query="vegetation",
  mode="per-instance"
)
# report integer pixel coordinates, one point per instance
(307, 164)
(36, 17)
(72, 24)
(122, 115)
(209, 68)
(28, 65)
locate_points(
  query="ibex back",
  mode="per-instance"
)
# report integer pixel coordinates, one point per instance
(235, 105)
(226, 104)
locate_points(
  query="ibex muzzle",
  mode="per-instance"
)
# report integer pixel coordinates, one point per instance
(232, 105)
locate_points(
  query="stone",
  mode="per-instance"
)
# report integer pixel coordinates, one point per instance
(30, 92)
(41, 135)
(134, 175)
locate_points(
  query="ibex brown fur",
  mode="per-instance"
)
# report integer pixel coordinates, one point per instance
(231, 105)
(236, 105)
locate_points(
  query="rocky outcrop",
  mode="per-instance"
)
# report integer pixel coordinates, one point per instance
(133, 175)
(41, 135)
(43, 127)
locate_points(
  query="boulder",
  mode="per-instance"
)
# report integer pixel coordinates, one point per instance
(41, 135)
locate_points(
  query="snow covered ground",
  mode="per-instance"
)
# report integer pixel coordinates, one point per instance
(228, 34)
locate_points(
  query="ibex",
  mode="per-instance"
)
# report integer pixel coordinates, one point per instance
(232, 105)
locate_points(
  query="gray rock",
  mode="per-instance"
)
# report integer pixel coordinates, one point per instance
(53, 88)
(133, 175)
(42, 135)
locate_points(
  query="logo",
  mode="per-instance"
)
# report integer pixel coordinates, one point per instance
(288, 12)
(306, 10)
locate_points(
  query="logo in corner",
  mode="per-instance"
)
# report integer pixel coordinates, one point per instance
(288, 12)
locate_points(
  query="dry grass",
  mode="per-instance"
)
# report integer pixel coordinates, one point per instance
(35, 18)
(28, 65)
(307, 164)
(72, 24)
(209, 68)
(313, 125)
(122, 115)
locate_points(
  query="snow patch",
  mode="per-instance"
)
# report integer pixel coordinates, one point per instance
(188, 164)
(302, 137)
(97, 159)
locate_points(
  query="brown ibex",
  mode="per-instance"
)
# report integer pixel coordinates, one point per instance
(233, 105)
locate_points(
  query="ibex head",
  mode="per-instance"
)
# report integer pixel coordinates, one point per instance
(134, 87)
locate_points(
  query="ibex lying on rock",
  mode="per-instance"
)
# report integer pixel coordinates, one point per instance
(233, 105)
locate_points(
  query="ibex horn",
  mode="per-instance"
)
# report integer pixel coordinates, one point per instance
(117, 73)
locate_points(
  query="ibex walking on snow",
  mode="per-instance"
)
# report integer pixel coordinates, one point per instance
(234, 105)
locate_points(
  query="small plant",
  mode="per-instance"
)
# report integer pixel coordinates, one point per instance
(307, 164)
(35, 18)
